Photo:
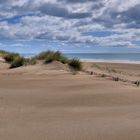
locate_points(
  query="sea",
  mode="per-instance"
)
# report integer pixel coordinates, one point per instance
(103, 57)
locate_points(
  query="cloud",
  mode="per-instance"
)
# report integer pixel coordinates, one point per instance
(66, 20)
(117, 14)
(59, 11)
(3, 1)
(77, 1)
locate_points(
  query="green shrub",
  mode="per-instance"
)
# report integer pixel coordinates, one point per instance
(19, 61)
(75, 64)
(10, 57)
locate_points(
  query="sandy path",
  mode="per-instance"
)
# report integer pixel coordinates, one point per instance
(68, 107)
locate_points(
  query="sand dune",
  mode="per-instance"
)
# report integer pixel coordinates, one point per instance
(49, 103)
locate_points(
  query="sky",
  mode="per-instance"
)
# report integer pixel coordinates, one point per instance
(70, 26)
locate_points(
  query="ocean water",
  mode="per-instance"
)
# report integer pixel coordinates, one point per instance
(103, 57)
(107, 57)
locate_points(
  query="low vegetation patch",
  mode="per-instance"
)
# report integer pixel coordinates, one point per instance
(50, 56)
(48, 59)
(75, 64)
(15, 60)
(10, 57)
(43, 55)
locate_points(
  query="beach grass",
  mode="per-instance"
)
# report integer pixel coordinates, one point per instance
(10, 57)
(16, 60)
(50, 56)
(75, 64)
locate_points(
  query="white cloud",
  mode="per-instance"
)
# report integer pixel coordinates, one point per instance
(66, 20)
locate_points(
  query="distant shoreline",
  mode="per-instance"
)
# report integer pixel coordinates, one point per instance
(110, 61)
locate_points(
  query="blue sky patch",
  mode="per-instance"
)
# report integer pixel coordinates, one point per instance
(100, 33)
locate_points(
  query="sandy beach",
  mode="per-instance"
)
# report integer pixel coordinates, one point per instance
(69, 69)
(48, 102)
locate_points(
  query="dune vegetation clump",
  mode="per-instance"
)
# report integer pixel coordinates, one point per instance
(75, 64)
(56, 56)
(43, 55)
(50, 56)
(10, 57)
(48, 59)
(15, 60)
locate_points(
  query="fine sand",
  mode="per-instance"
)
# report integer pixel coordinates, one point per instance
(50, 103)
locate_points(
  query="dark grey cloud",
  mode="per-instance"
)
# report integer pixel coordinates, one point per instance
(78, 1)
(3, 1)
(53, 10)
(131, 17)
(59, 11)
(97, 6)
(111, 17)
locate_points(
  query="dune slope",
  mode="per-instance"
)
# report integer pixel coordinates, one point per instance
(60, 106)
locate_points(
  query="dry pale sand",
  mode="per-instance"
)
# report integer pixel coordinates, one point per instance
(126, 71)
(49, 103)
